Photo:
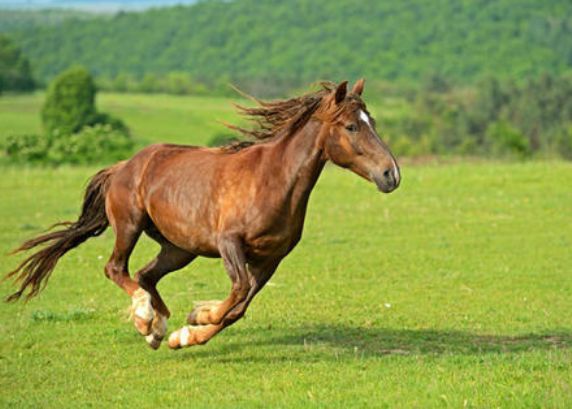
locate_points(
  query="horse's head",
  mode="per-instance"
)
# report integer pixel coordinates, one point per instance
(352, 141)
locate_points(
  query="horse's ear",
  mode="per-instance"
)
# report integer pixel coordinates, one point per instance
(341, 92)
(358, 86)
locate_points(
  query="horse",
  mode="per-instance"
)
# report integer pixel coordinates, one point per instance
(245, 203)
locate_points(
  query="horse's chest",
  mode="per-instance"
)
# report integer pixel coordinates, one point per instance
(277, 240)
(271, 245)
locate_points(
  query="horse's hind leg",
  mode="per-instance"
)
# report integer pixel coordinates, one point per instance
(117, 270)
(127, 222)
(170, 258)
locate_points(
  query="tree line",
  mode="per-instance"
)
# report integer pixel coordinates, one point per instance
(493, 118)
(279, 44)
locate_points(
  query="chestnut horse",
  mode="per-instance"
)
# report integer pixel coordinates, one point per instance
(245, 203)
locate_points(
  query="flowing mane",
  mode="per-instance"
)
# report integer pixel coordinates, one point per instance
(281, 117)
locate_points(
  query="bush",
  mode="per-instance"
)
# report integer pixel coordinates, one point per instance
(93, 144)
(505, 140)
(564, 141)
(75, 132)
(26, 148)
(102, 118)
(221, 139)
(70, 102)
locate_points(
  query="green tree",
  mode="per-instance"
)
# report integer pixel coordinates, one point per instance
(15, 72)
(70, 102)
(74, 131)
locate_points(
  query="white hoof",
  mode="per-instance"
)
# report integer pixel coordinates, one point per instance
(181, 338)
(158, 331)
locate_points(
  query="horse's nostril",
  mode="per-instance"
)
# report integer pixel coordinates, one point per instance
(387, 173)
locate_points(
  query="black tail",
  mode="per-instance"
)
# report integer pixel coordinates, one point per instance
(34, 271)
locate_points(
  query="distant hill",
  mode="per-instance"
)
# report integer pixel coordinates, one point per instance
(297, 41)
(12, 20)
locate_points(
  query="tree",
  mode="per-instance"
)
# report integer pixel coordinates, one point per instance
(15, 71)
(75, 132)
(70, 102)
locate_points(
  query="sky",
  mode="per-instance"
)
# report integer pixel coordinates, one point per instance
(90, 5)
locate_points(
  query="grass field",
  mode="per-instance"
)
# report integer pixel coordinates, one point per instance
(454, 291)
(152, 118)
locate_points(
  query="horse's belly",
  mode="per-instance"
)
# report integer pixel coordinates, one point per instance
(187, 229)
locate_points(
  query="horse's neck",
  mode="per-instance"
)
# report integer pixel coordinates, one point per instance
(300, 162)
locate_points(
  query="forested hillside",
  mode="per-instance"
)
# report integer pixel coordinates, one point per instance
(299, 41)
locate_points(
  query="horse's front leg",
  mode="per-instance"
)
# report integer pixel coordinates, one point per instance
(207, 321)
(232, 253)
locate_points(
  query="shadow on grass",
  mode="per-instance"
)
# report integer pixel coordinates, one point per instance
(334, 341)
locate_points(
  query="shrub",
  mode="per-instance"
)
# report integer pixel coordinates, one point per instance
(564, 141)
(102, 118)
(70, 102)
(75, 132)
(505, 140)
(26, 148)
(221, 139)
(93, 144)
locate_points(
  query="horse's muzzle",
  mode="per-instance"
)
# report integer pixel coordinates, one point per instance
(388, 180)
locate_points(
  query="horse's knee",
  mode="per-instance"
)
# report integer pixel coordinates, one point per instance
(110, 270)
(145, 282)
(241, 290)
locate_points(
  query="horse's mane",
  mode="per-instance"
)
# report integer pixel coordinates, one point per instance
(281, 117)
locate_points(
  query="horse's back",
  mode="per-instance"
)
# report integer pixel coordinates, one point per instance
(171, 186)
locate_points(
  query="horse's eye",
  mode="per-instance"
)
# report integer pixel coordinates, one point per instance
(352, 128)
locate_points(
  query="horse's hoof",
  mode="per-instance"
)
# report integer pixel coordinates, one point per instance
(153, 341)
(158, 331)
(183, 337)
(175, 340)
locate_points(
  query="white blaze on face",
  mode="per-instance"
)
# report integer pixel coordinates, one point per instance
(363, 116)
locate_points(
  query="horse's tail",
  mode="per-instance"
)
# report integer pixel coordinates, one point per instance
(34, 271)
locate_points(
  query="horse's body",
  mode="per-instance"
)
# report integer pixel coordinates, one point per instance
(245, 204)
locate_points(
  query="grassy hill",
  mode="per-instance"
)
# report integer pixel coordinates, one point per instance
(298, 41)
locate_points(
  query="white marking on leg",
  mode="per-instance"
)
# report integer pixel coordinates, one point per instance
(141, 305)
(173, 340)
(184, 335)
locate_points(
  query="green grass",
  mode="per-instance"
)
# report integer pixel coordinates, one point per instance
(454, 291)
(152, 118)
